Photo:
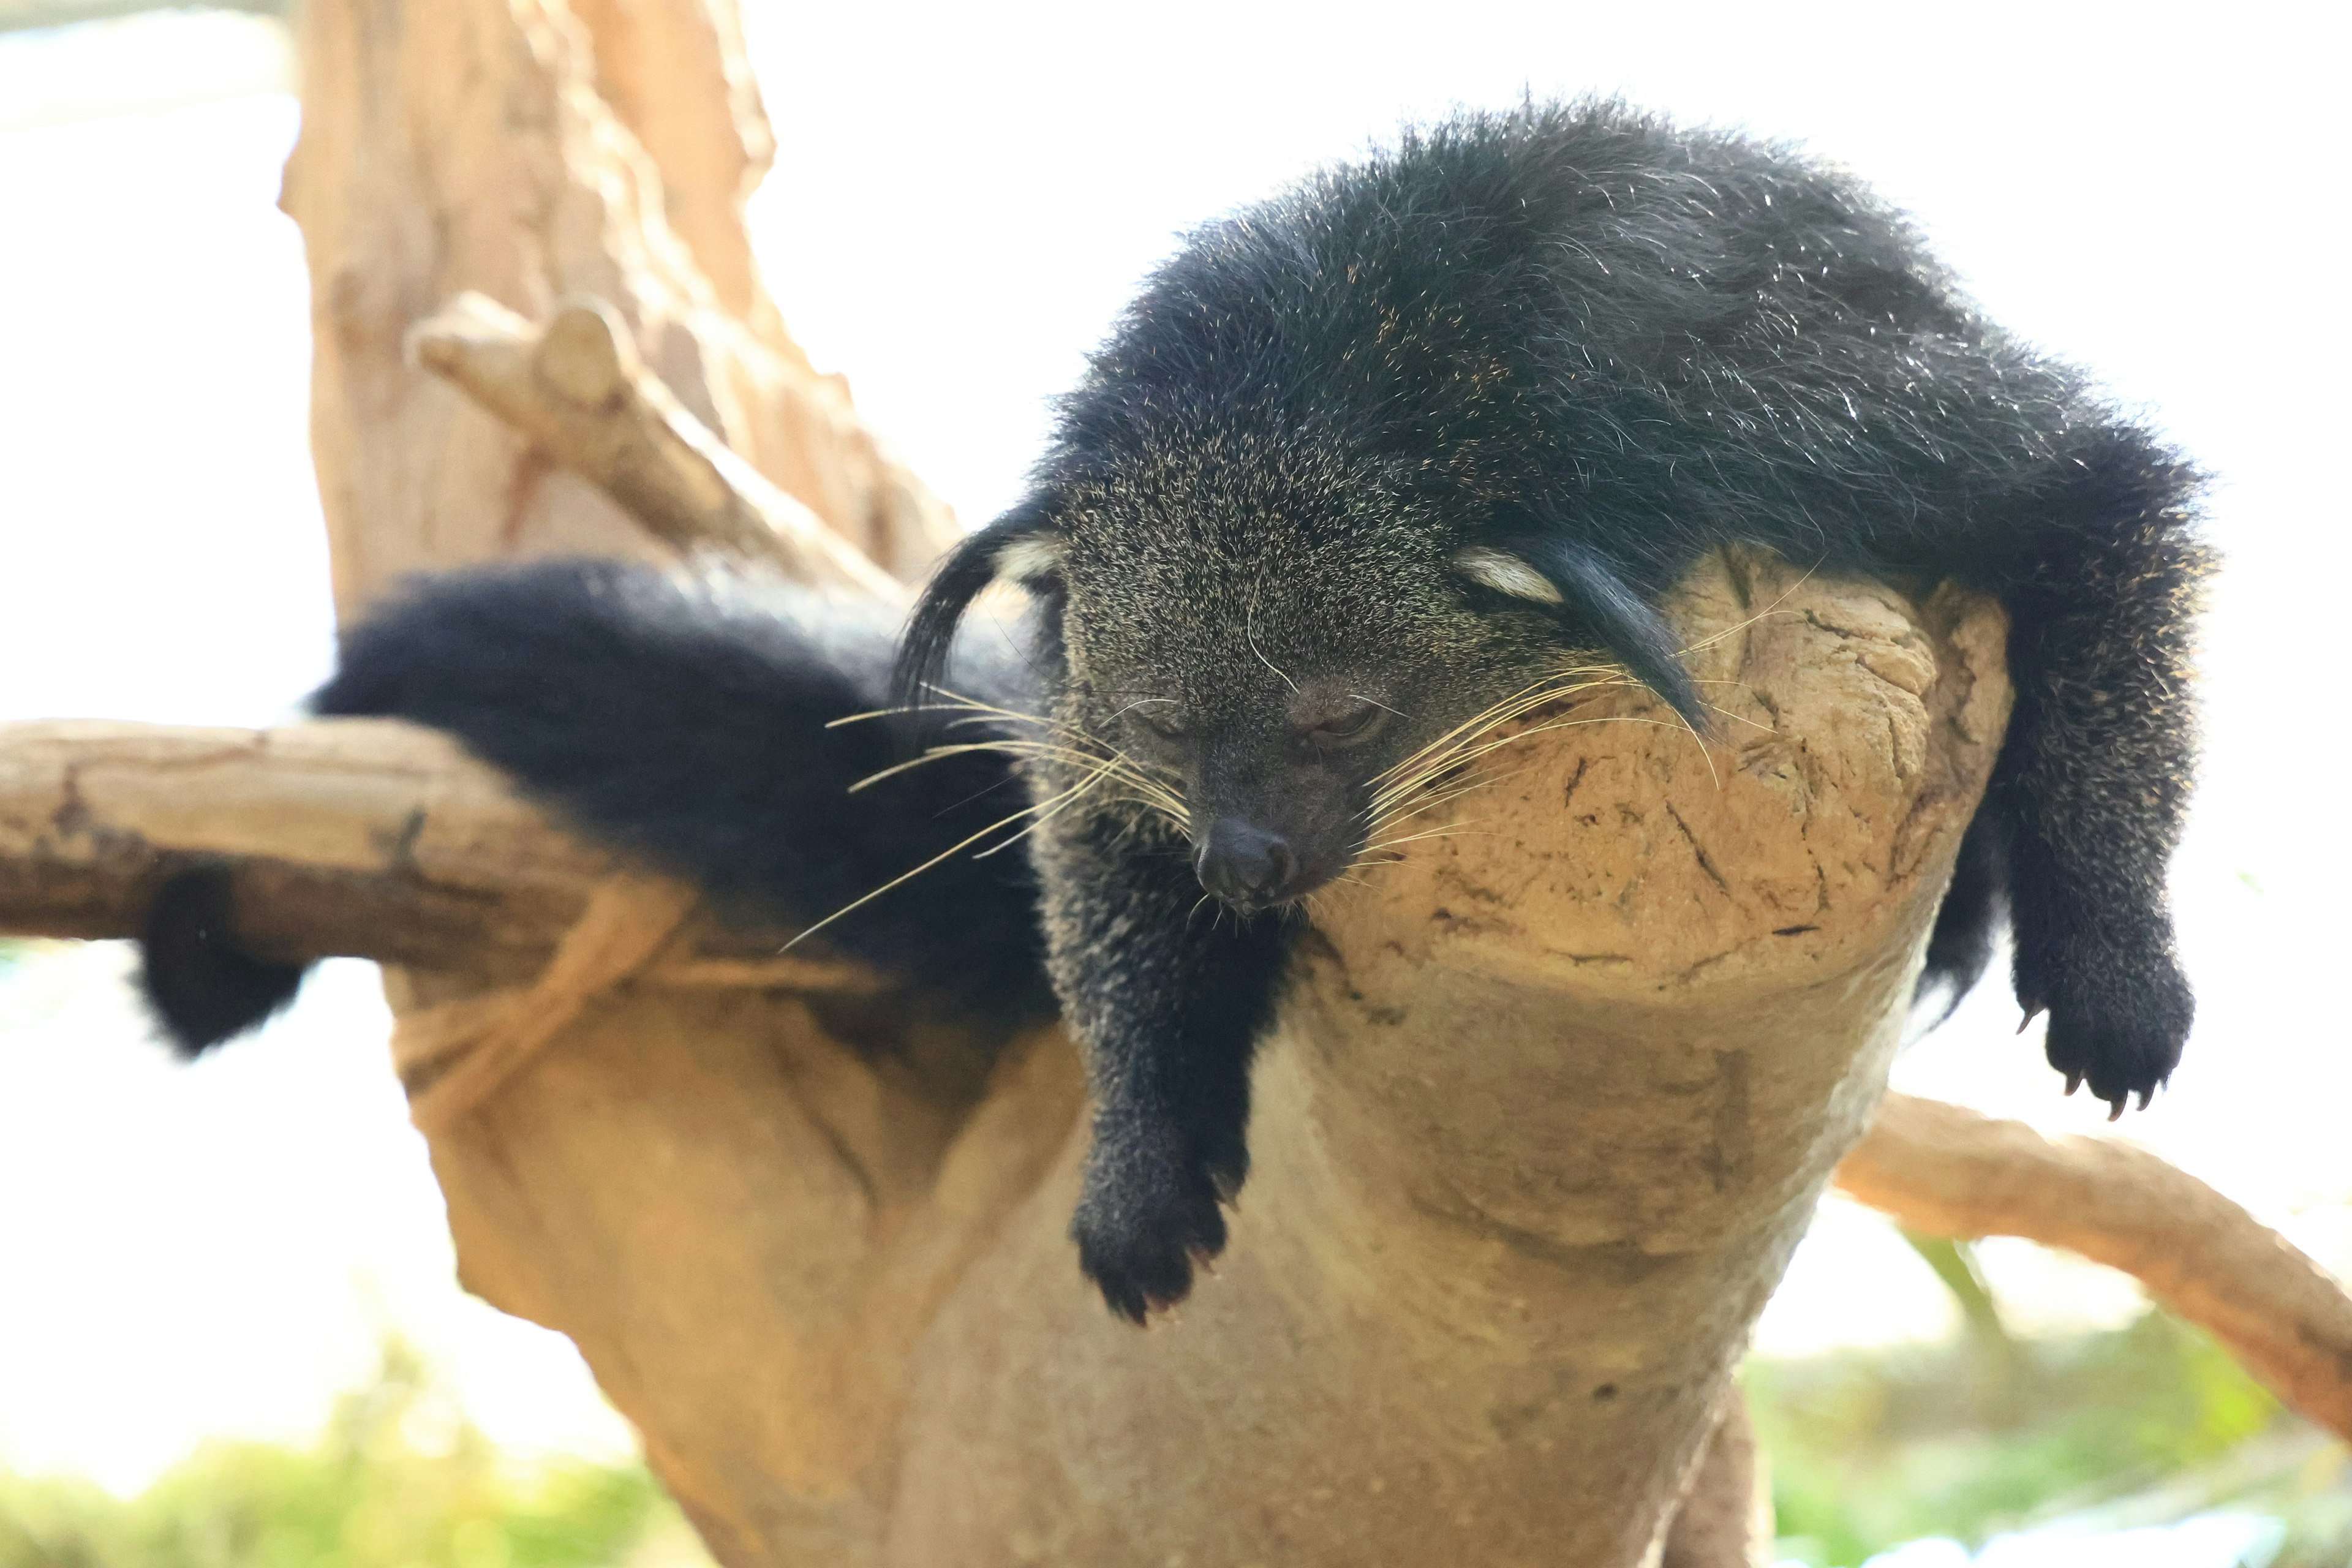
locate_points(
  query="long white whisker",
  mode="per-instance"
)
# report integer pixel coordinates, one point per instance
(1249, 631)
(1056, 804)
(1769, 609)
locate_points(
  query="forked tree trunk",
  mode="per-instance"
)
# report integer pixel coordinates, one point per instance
(1543, 1115)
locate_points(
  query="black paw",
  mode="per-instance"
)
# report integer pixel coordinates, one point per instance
(2116, 1024)
(1142, 1228)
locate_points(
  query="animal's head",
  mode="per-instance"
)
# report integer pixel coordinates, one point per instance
(1285, 647)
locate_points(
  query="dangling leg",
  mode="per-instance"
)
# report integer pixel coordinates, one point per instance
(1969, 917)
(2095, 778)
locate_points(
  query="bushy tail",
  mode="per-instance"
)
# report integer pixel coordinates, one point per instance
(201, 985)
(691, 722)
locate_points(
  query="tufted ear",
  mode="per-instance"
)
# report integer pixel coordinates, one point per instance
(1032, 560)
(1555, 573)
(1021, 547)
(1505, 574)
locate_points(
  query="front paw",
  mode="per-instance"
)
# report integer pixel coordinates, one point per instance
(2118, 1021)
(1141, 1227)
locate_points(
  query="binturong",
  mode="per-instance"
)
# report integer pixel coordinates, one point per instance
(1366, 473)
(1366, 467)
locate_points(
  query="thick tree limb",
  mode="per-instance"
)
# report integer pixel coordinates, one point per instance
(1950, 1172)
(355, 838)
(577, 390)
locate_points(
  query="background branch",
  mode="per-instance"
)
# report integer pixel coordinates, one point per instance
(1953, 1173)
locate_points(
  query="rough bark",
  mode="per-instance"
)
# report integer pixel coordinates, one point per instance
(372, 839)
(527, 152)
(576, 388)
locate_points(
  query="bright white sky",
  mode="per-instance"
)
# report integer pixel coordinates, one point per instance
(966, 194)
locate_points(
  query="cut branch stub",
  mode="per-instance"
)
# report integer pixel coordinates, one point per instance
(577, 391)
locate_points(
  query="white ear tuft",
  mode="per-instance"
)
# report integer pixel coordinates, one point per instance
(1505, 574)
(1030, 558)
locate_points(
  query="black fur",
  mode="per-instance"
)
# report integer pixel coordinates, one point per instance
(1968, 922)
(687, 720)
(1358, 463)
(202, 986)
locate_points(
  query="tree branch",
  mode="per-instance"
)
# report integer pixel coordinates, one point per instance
(576, 388)
(1953, 1173)
(357, 838)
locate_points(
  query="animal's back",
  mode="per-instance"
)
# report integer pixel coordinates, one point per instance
(1581, 317)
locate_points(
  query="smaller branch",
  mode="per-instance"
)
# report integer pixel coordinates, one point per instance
(359, 837)
(1953, 1173)
(578, 391)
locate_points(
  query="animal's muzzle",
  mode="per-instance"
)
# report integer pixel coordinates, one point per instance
(1249, 867)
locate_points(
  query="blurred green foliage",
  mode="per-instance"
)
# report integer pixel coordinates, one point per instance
(1988, 1432)
(398, 1480)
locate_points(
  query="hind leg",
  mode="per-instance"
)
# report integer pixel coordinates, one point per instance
(2095, 781)
(1960, 948)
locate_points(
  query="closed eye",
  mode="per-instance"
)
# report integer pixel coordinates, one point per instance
(1160, 715)
(1352, 722)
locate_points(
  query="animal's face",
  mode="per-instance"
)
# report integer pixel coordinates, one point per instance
(1283, 651)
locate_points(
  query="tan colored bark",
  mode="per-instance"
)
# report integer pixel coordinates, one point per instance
(358, 837)
(370, 838)
(1950, 1172)
(577, 389)
(475, 146)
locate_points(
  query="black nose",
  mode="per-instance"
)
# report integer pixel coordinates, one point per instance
(1246, 866)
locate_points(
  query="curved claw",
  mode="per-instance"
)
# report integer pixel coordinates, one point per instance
(1142, 1232)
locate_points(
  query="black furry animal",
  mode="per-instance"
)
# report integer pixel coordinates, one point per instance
(1363, 468)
